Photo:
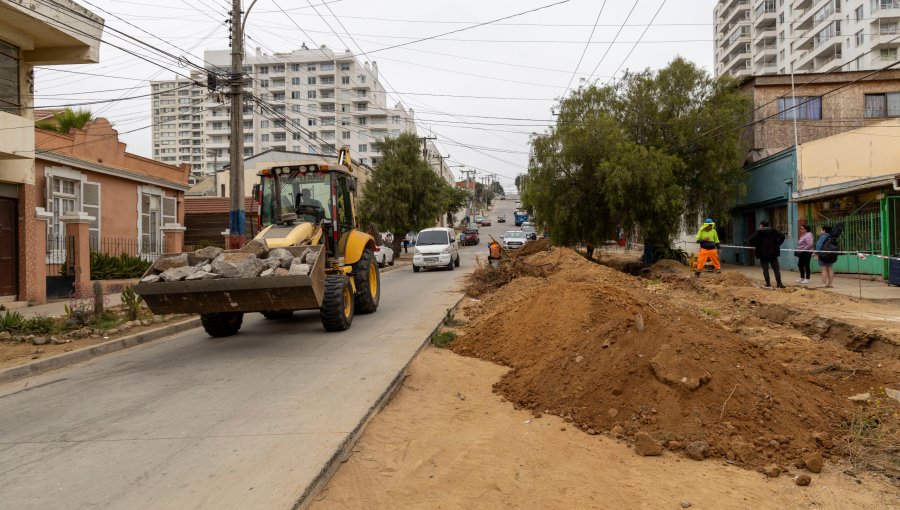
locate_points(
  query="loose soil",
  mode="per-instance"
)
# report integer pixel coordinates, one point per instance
(20, 353)
(714, 368)
(446, 441)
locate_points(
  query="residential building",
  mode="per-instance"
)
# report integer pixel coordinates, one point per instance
(757, 37)
(850, 177)
(128, 201)
(306, 101)
(437, 162)
(31, 34)
(827, 104)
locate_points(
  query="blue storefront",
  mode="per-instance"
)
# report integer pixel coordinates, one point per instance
(769, 185)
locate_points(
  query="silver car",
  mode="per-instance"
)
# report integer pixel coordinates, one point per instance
(513, 239)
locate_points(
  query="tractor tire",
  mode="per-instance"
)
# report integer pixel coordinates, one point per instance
(368, 283)
(277, 314)
(336, 311)
(221, 324)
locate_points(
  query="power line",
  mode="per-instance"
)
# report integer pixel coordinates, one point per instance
(586, 46)
(638, 41)
(615, 38)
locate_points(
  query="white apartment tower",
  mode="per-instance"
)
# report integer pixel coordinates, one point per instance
(308, 100)
(755, 37)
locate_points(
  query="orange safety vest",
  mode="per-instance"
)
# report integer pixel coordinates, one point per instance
(495, 250)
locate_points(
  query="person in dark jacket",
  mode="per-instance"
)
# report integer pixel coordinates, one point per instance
(767, 242)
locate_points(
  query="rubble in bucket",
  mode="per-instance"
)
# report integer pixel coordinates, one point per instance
(251, 261)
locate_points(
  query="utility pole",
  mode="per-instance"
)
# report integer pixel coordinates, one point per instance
(238, 216)
(441, 164)
(425, 145)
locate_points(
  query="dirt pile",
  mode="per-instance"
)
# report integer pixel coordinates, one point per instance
(605, 351)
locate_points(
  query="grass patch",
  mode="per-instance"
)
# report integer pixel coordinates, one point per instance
(443, 339)
(450, 320)
(712, 312)
(872, 434)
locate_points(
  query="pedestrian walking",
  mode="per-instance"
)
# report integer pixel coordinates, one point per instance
(590, 250)
(826, 260)
(804, 253)
(767, 242)
(406, 244)
(709, 246)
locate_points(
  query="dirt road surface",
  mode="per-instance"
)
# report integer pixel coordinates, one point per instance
(447, 441)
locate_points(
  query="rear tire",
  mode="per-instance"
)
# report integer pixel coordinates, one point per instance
(368, 283)
(222, 324)
(336, 311)
(277, 314)
(391, 262)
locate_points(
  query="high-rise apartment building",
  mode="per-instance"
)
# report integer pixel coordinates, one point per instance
(308, 100)
(757, 37)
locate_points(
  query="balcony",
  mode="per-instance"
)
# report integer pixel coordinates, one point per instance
(738, 10)
(885, 40)
(740, 65)
(887, 10)
(817, 58)
(766, 37)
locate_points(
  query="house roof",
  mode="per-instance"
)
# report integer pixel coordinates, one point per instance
(213, 205)
(836, 190)
(40, 115)
(202, 187)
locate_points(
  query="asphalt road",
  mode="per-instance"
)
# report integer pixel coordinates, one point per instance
(243, 422)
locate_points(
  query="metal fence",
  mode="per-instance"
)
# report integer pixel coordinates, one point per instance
(60, 261)
(129, 246)
(862, 232)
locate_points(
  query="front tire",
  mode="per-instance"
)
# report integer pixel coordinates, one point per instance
(391, 262)
(337, 310)
(368, 283)
(221, 324)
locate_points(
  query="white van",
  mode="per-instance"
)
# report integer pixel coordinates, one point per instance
(436, 247)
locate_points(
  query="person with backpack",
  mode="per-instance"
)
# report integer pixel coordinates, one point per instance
(767, 242)
(826, 243)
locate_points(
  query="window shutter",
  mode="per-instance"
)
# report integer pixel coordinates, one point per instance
(145, 223)
(48, 205)
(893, 104)
(90, 203)
(169, 210)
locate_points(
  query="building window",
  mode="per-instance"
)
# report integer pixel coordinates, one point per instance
(345, 66)
(327, 67)
(264, 138)
(860, 38)
(9, 77)
(295, 68)
(888, 54)
(264, 124)
(311, 80)
(345, 135)
(362, 121)
(311, 122)
(279, 137)
(264, 70)
(311, 94)
(295, 81)
(883, 105)
(264, 83)
(800, 108)
(310, 67)
(363, 148)
(296, 94)
(859, 14)
(345, 80)
(395, 119)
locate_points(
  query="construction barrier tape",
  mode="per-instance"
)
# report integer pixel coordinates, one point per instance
(861, 255)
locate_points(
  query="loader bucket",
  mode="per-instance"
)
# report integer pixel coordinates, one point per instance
(256, 294)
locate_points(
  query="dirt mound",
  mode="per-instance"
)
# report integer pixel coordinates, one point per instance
(604, 351)
(531, 248)
(669, 266)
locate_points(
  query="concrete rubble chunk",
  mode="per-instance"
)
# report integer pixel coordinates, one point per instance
(202, 275)
(153, 278)
(234, 257)
(256, 247)
(175, 261)
(208, 253)
(206, 267)
(225, 269)
(311, 257)
(251, 267)
(268, 272)
(282, 256)
(272, 263)
(282, 272)
(299, 268)
(177, 273)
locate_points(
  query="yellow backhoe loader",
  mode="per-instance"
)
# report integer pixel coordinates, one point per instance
(306, 208)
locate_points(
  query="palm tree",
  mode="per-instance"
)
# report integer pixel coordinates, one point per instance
(65, 120)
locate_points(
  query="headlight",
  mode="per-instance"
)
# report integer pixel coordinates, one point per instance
(417, 252)
(446, 250)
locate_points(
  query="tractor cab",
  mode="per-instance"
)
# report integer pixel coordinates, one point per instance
(307, 202)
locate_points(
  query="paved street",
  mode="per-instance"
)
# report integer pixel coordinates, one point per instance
(194, 422)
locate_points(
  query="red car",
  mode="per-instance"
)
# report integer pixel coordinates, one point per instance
(470, 237)
(485, 222)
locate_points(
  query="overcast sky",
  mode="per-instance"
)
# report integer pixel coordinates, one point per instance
(527, 60)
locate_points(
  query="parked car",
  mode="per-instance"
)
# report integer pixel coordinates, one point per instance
(436, 247)
(479, 219)
(486, 222)
(513, 239)
(470, 237)
(501, 218)
(529, 230)
(384, 255)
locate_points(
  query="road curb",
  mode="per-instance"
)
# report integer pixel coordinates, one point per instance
(72, 357)
(343, 451)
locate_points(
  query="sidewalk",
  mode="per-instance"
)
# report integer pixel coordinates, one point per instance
(58, 308)
(847, 284)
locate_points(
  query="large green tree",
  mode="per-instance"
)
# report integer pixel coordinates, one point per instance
(403, 193)
(63, 121)
(636, 154)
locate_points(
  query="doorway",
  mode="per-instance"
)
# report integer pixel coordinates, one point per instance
(9, 251)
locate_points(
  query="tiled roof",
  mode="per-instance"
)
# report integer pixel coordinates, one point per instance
(212, 205)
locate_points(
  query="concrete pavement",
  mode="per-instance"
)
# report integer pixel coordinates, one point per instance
(249, 421)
